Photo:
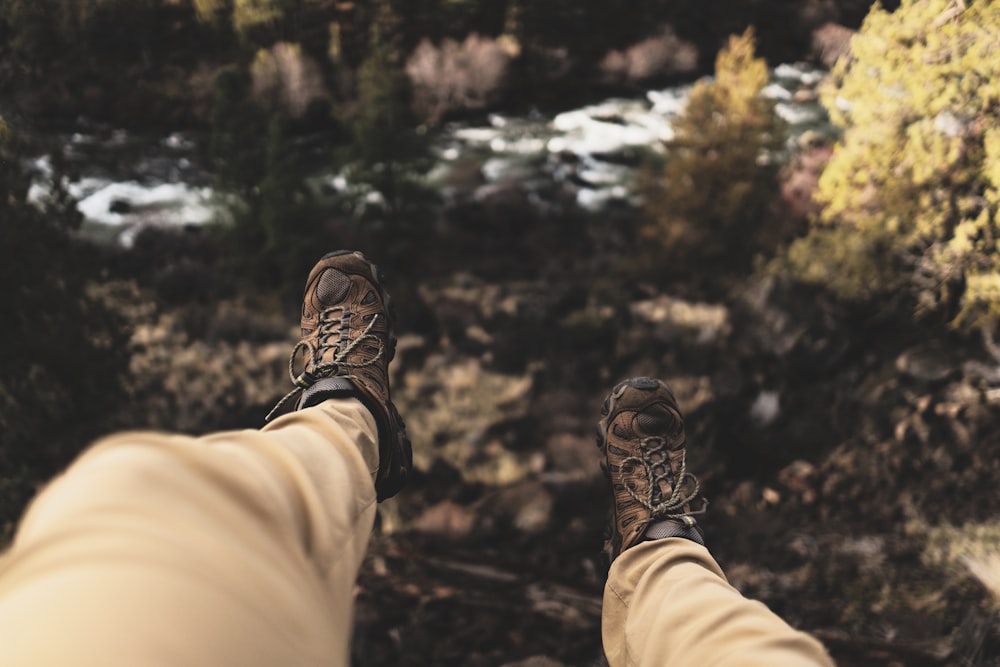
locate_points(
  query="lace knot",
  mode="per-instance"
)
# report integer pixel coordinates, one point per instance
(315, 368)
(657, 470)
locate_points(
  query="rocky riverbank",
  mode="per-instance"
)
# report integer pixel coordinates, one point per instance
(530, 166)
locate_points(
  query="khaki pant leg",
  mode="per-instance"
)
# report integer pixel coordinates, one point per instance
(239, 548)
(667, 602)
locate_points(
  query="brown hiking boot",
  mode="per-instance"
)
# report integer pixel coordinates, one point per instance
(642, 437)
(348, 343)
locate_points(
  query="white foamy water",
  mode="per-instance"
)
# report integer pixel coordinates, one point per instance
(594, 150)
(163, 204)
(131, 205)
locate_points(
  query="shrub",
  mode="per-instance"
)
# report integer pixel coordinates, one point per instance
(972, 549)
(287, 79)
(457, 76)
(910, 196)
(249, 15)
(663, 54)
(710, 201)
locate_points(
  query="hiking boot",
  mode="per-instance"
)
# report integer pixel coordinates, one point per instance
(347, 341)
(641, 435)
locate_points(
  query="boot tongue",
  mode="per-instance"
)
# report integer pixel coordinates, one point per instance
(655, 420)
(333, 287)
(658, 422)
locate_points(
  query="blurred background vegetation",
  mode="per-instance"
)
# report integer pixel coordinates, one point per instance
(65, 349)
(856, 277)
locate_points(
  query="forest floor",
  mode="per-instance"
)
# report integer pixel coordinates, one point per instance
(850, 458)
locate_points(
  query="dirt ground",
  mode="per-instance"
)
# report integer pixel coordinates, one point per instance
(850, 459)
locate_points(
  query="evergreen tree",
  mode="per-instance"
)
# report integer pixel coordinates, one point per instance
(259, 23)
(92, 33)
(288, 215)
(708, 205)
(239, 126)
(277, 225)
(390, 154)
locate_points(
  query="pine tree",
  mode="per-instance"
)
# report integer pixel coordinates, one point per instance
(708, 205)
(238, 128)
(277, 223)
(390, 155)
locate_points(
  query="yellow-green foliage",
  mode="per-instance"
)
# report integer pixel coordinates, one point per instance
(250, 13)
(711, 198)
(246, 15)
(975, 548)
(206, 10)
(910, 197)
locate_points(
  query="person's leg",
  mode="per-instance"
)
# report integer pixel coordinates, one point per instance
(239, 548)
(666, 601)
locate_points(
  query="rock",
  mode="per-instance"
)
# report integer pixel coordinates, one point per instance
(927, 362)
(675, 318)
(799, 477)
(774, 329)
(120, 206)
(507, 195)
(461, 178)
(572, 458)
(526, 506)
(766, 408)
(993, 396)
(869, 550)
(805, 95)
(957, 396)
(446, 519)
(977, 370)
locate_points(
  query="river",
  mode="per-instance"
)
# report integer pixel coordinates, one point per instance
(124, 182)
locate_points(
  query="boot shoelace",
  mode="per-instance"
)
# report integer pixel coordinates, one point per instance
(328, 327)
(672, 507)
